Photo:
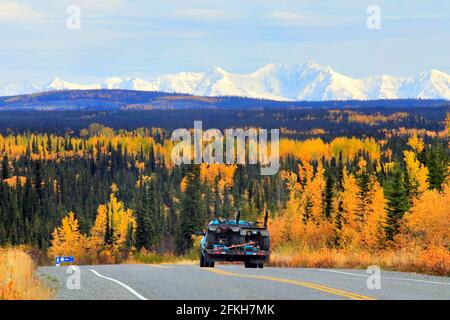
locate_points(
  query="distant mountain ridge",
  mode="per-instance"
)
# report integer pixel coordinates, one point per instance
(121, 99)
(299, 82)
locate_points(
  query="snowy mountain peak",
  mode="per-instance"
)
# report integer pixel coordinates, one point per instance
(302, 81)
(313, 65)
(59, 84)
(112, 83)
(217, 69)
(436, 72)
(16, 88)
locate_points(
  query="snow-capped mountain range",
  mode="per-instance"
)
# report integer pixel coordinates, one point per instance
(308, 81)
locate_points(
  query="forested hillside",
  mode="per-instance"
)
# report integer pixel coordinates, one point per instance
(117, 99)
(102, 194)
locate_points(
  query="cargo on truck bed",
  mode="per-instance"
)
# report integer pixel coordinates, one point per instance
(235, 240)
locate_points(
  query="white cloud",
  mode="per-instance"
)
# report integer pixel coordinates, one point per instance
(100, 6)
(203, 14)
(288, 18)
(10, 10)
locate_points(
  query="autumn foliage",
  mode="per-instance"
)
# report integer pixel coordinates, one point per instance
(18, 280)
(355, 234)
(109, 241)
(337, 201)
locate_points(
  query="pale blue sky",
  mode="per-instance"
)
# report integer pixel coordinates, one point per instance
(146, 37)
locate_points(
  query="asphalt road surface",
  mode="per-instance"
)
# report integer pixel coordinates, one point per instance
(234, 282)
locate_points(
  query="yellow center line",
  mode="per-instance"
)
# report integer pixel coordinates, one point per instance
(159, 266)
(310, 285)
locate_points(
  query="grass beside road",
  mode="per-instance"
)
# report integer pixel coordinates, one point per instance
(157, 258)
(18, 280)
(433, 261)
(150, 257)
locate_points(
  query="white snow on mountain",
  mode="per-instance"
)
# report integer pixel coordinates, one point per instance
(183, 82)
(427, 85)
(16, 88)
(308, 81)
(112, 83)
(60, 84)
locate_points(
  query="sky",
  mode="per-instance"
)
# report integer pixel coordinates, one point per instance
(147, 38)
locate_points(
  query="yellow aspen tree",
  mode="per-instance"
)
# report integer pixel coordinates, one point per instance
(349, 147)
(373, 232)
(315, 231)
(288, 226)
(315, 190)
(447, 125)
(209, 172)
(416, 143)
(113, 221)
(417, 172)
(428, 221)
(114, 188)
(295, 226)
(67, 239)
(183, 184)
(349, 233)
(285, 226)
(277, 229)
(97, 238)
(121, 219)
(306, 174)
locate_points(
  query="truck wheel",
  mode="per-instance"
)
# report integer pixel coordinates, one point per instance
(207, 263)
(250, 264)
(202, 261)
(260, 265)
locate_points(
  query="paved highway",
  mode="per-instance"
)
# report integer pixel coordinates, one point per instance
(234, 282)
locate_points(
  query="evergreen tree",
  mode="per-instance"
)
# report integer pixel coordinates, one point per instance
(397, 202)
(149, 218)
(192, 209)
(437, 161)
(364, 186)
(329, 195)
(5, 167)
(38, 179)
(143, 223)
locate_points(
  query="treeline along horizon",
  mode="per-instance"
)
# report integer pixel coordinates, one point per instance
(302, 120)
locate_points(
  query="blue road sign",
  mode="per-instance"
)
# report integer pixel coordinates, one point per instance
(64, 259)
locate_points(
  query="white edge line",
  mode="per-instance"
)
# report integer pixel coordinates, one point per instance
(383, 277)
(122, 284)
